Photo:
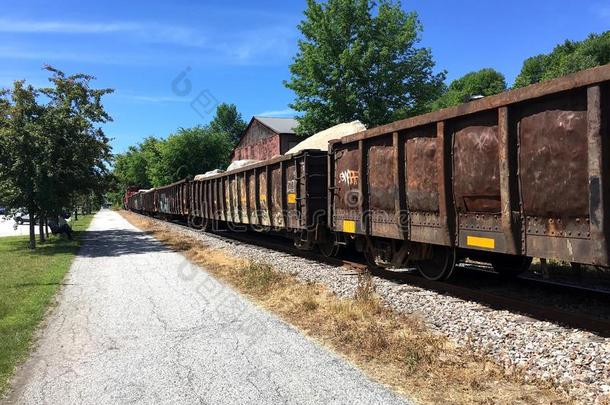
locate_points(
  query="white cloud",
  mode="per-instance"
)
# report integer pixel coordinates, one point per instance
(7, 25)
(249, 46)
(49, 56)
(273, 41)
(149, 32)
(288, 112)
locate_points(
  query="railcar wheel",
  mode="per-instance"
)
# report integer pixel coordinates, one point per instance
(329, 247)
(440, 266)
(370, 257)
(198, 223)
(194, 222)
(302, 243)
(511, 265)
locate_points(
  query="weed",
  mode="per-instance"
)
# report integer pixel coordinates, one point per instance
(259, 277)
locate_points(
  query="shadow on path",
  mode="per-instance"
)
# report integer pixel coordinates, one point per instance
(118, 242)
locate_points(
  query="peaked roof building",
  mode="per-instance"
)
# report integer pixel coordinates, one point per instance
(266, 137)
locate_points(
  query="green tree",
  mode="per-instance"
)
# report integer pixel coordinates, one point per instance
(485, 82)
(76, 147)
(52, 151)
(566, 58)
(20, 142)
(130, 168)
(229, 121)
(191, 151)
(135, 168)
(359, 60)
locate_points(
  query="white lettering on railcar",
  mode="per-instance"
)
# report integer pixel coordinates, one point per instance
(349, 177)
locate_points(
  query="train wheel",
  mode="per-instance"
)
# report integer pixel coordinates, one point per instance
(329, 247)
(198, 223)
(370, 256)
(302, 243)
(440, 266)
(511, 265)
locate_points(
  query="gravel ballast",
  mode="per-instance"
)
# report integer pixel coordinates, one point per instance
(574, 360)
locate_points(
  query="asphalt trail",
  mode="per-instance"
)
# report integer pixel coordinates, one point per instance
(137, 323)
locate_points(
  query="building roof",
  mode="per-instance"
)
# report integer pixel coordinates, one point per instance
(279, 125)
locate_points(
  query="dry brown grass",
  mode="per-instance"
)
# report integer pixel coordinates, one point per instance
(394, 349)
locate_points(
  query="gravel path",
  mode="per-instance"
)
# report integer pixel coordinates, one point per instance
(137, 323)
(576, 360)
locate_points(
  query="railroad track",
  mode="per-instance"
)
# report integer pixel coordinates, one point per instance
(491, 300)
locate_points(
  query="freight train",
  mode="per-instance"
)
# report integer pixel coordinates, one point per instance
(502, 179)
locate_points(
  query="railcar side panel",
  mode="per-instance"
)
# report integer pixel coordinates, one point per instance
(382, 190)
(422, 185)
(476, 182)
(347, 195)
(234, 200)
(554, 178)
(264, 197)
(277, 212)
(227, 207)
(243, 198)
(293, 194)
(252, 197)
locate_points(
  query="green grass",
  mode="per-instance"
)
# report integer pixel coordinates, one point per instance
(28, 283)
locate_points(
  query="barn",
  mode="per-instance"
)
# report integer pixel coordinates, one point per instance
(266, 137)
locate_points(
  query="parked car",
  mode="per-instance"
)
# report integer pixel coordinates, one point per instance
(2, 211)
(22, 217)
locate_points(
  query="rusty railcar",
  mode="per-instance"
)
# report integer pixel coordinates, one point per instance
(172, 201)
(287, 193)
(135, 202)
(128, 193)
(502, 179)
(149, 205)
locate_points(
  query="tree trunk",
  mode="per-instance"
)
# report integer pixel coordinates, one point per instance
(46, 226)
(40, 228)
(32, 234)
(76, 214)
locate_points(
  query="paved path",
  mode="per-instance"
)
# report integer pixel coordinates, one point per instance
(137, 323)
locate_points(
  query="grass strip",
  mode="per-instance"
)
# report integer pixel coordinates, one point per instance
(28, 282)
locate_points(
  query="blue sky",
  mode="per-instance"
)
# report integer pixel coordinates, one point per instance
(171, 62)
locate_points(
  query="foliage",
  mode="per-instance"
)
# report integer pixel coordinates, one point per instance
(359, 60)
(189, 151)
(135, 167)
(53, 147)
(566, 58)
(485, 82)
(77, 149)
(21, 139)
(229, 121)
